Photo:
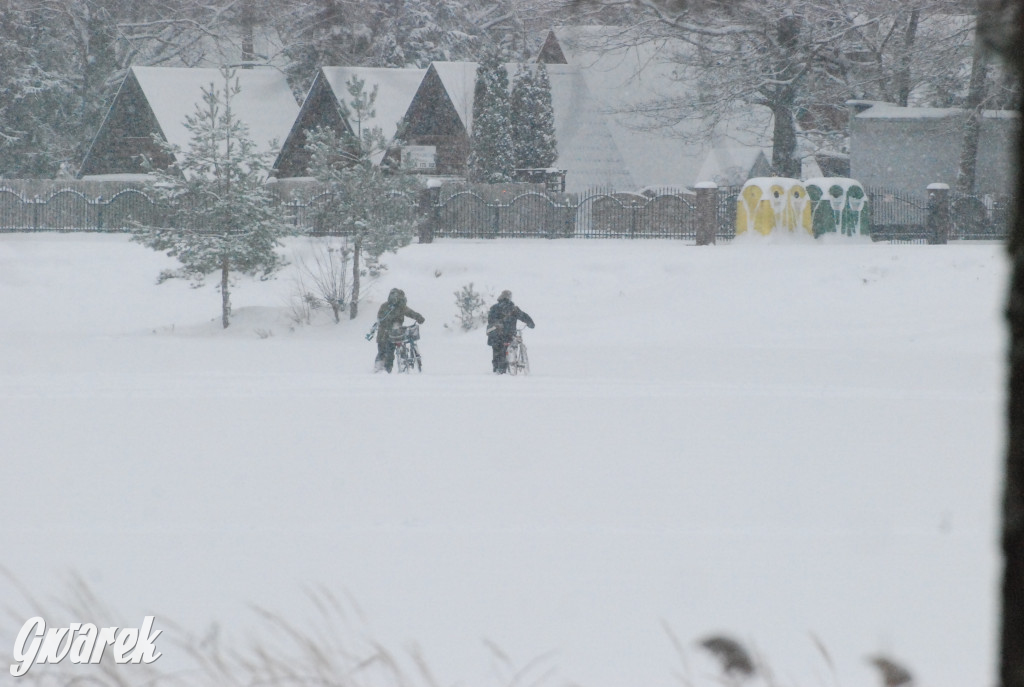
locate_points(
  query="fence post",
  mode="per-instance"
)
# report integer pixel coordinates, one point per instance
(707, 212)
(938, 213)
(570, 219)
(428, 211)
(99, 213)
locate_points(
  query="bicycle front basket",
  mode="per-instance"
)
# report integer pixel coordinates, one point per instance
(410, 333)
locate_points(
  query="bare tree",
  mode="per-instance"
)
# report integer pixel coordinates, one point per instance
(801, 60)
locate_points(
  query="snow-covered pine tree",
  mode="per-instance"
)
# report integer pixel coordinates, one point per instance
(533, 118)
(371, 204)
(491, 153)
(222, 217)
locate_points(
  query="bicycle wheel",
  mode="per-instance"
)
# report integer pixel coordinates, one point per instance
(417, 359)
(402, 357)
(512, 355)
(524, 360)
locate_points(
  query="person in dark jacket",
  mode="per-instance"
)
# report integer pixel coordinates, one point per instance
(391, 316)
(501, 327)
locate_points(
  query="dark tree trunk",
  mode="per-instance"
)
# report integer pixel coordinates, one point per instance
(225, 295)
(967, 173)
(353, 305)
(783, 101)
(903, 73)
(784, 159)
(248, 34)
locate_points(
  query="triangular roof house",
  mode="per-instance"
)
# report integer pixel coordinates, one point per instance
(156, 100)
(732, 166)
(441, 115)
(622, 73)
(326, 102)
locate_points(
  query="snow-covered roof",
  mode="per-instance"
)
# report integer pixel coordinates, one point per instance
(883, 110)
(732, 165)
(265, 102)
(395, 90)
(127, 176)
(586, 148)
(622, 75)
(459, 80)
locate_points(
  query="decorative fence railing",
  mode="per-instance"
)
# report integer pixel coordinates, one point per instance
(895, 216)
(467, 214)
(898, 216)
(72, 210)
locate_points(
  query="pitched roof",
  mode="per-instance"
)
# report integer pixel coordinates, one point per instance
(883, 110)
(731, 166)
(395, 90)
(265, 102)
(624, 74)
(459, 80)
(586, 149)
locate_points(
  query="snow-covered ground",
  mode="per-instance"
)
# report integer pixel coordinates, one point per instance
(795, 444)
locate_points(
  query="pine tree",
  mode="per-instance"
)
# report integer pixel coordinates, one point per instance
(491, 156)
(222, 217)
(371, 204)
(533, 119)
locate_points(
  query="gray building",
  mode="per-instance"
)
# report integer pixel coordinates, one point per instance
(907, 148)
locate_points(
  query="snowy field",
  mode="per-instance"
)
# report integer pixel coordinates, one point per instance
(794, 444)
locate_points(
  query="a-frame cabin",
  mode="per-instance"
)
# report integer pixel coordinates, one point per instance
(154, 102)
(326, 105)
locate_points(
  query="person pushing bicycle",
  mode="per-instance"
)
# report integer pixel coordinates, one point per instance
(391, 314)
(501, 327)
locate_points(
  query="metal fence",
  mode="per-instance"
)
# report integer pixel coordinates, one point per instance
(897, 216)
(467, 214)
(72, 210)
(901, 217)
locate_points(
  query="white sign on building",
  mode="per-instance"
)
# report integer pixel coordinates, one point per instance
(419, 158)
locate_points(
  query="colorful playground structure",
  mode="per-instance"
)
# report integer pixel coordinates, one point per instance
(817, 206)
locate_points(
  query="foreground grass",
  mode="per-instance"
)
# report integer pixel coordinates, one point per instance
(331, 648)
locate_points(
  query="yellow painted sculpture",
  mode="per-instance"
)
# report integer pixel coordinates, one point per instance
(773, 203)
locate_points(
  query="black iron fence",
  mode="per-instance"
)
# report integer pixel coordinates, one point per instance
(899, 216)
(468, 213)
(599, 214)
(72, 210)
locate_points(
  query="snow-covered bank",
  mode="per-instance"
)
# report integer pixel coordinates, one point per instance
(788, 443)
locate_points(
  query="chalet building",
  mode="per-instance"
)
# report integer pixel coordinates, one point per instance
(908, 148)
(156, 100)
(433, 110)
(441, 118)
(327, 104)
(622, 75)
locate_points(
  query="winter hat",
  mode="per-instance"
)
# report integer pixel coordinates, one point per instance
(506, 295)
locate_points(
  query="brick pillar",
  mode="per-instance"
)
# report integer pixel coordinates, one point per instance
(707, 212)
(428, 213)
(938, 213)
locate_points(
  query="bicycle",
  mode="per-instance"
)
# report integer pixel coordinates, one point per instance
(407, 354)
(515, 354)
